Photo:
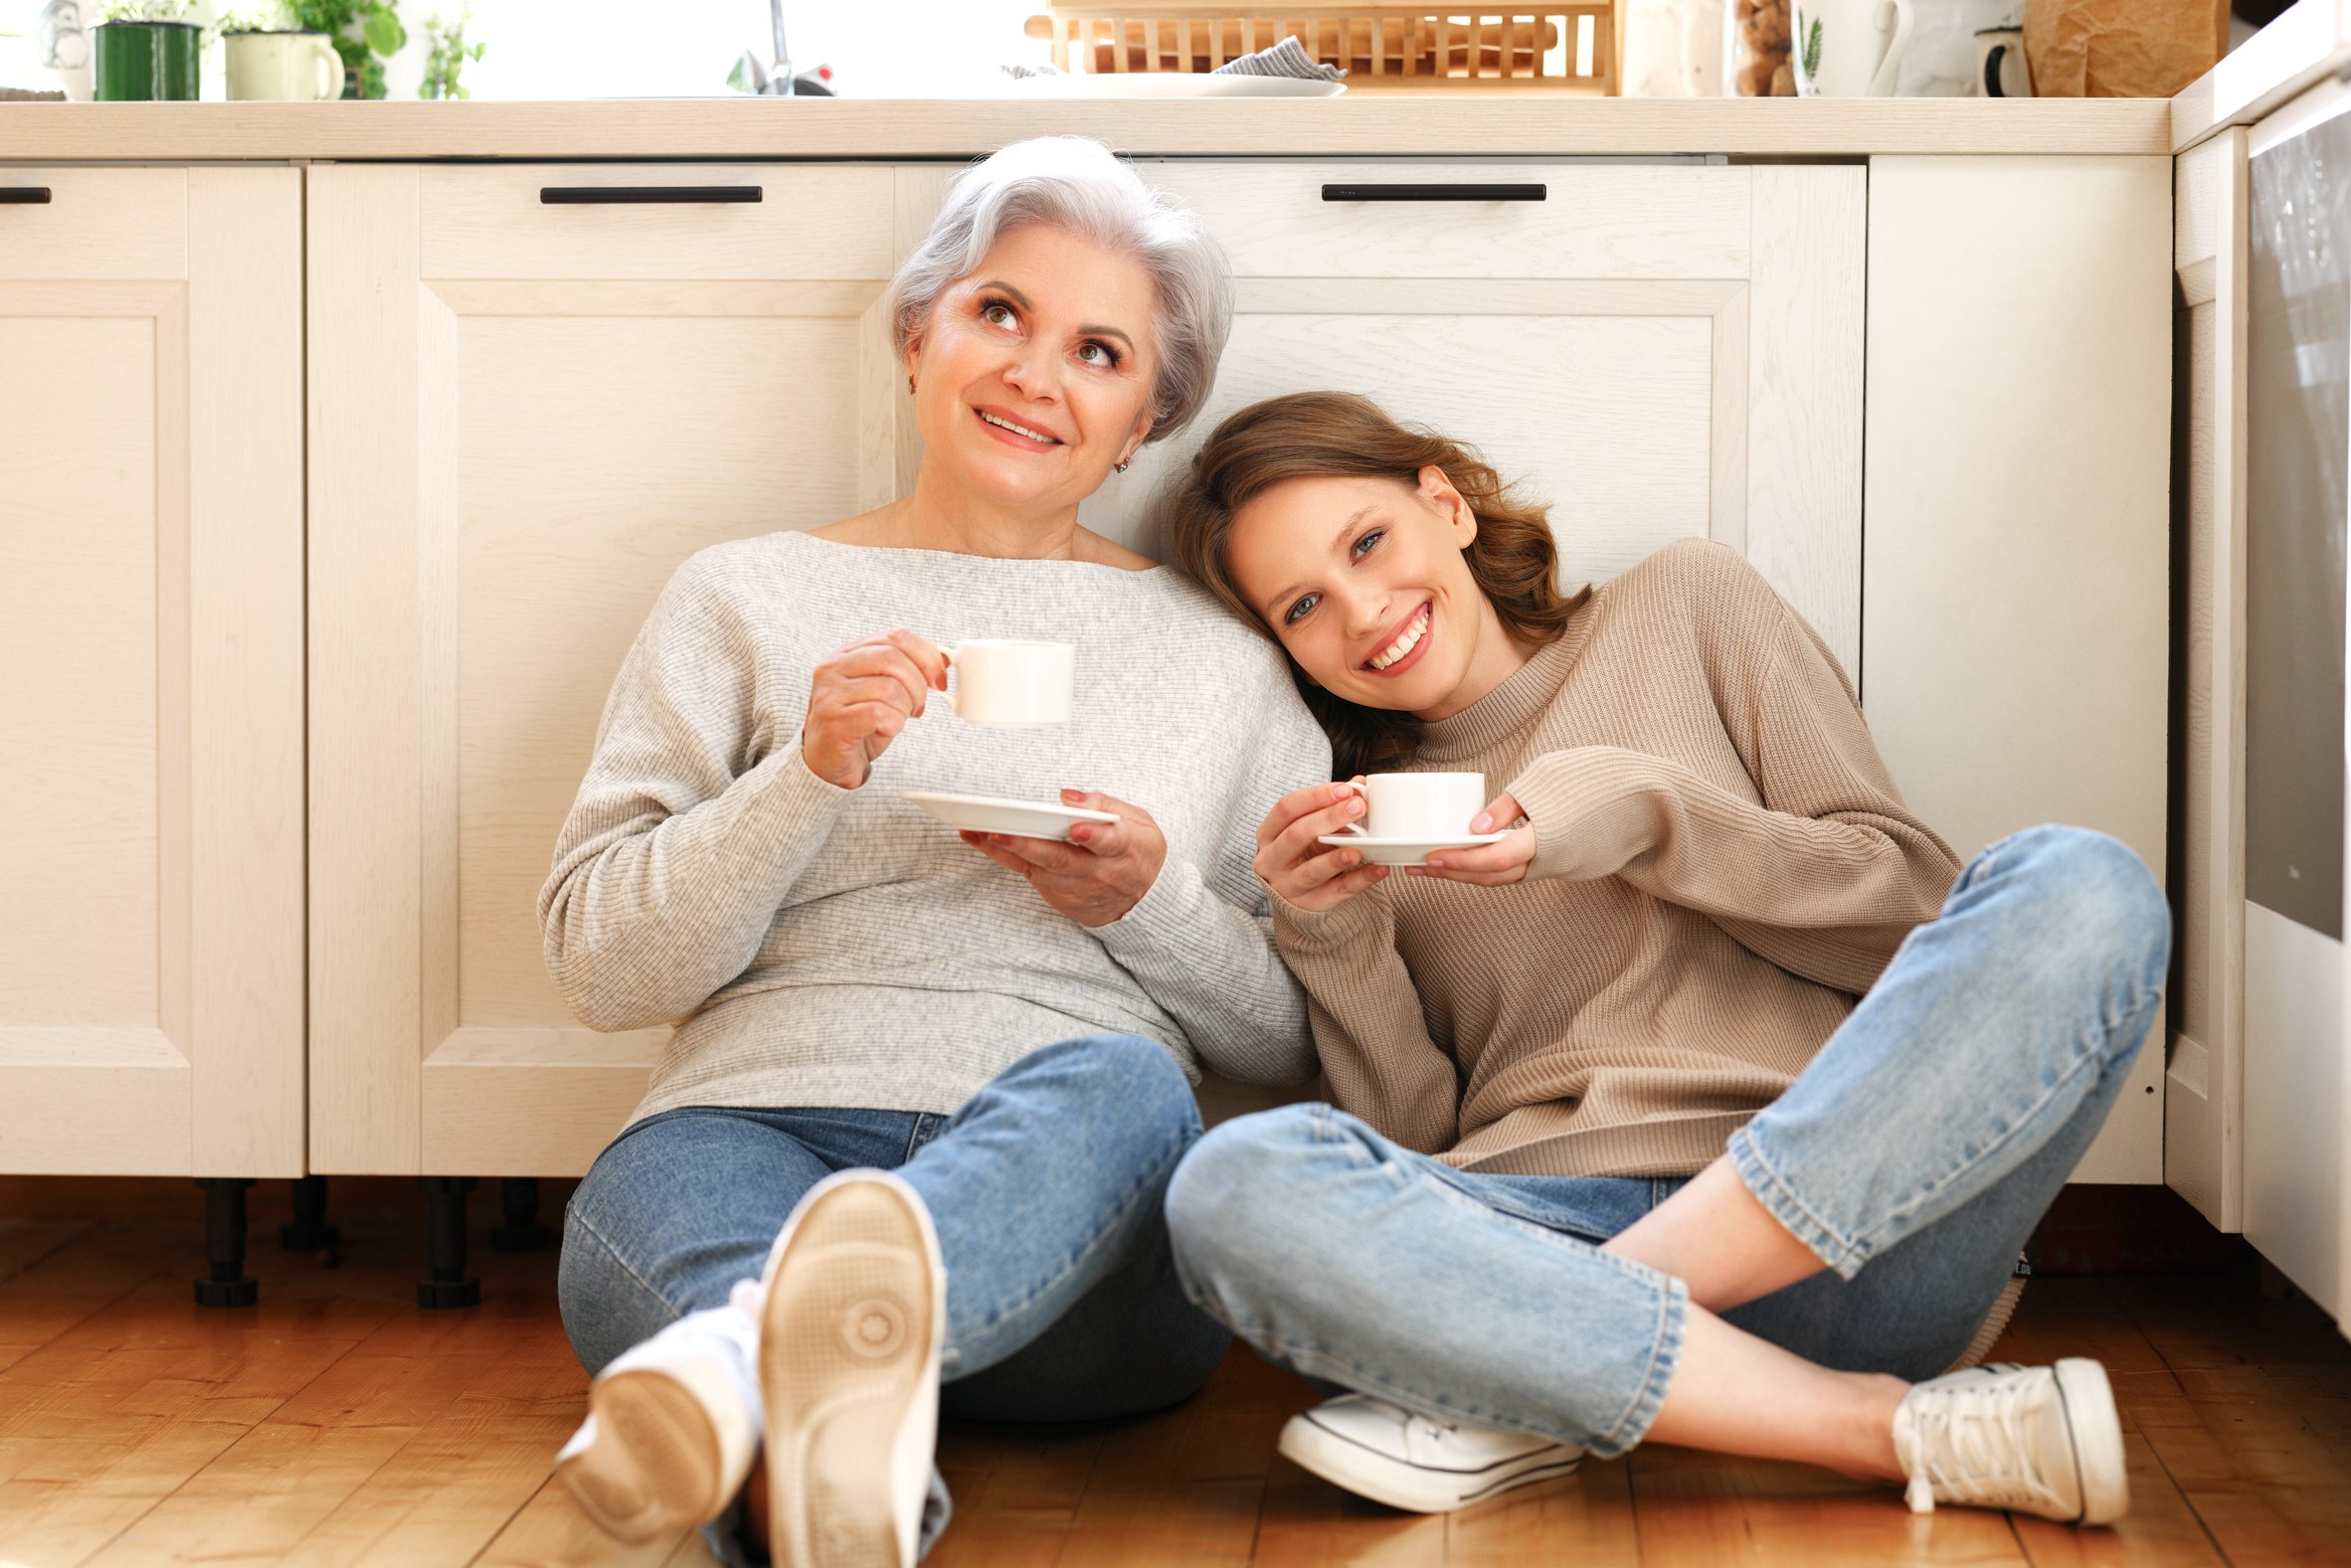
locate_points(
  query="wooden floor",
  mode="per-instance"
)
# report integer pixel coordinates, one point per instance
(337, 1423)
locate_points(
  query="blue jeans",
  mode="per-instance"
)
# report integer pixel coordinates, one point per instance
(1048, 1189)
(1915, 1154)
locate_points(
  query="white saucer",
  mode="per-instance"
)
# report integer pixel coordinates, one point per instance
(1406, 851)
(978, 813)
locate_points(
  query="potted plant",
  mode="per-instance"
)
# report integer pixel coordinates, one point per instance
(145, 49)
(446, 55)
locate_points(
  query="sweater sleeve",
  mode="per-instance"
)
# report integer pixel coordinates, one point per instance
(1369, 1027)
(689, 829)
(1201, 944)
(1824, 878)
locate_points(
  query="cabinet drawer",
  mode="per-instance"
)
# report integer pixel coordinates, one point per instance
(98, 225)
(1595, 220)
(808, 222)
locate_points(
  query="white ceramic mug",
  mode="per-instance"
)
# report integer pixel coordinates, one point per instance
(1419, 807)
(1010, 684)
(1861, 47)
(277, 68)
(2000, 71)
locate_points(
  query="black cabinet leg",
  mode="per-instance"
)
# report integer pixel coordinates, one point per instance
(225, 1283)
(309, 1231)
(519, 1201)
(444, 1239)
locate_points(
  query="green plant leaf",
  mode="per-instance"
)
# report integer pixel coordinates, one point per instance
(385, 34)
(1812, 52)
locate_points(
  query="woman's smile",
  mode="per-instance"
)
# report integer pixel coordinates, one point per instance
(1015, 432)
(1406, 647)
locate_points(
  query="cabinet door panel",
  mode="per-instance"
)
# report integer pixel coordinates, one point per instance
(1659, 351)
(524, 417)
(150, 728)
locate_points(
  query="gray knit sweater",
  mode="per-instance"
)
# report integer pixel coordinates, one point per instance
(827, 947)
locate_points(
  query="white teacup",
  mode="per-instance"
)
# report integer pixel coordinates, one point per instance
(1430, 808)
(1010, 684)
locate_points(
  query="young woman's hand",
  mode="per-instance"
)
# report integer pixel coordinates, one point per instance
(859, 700)
(1303, 873)
(1101, 873)
(1488, 865)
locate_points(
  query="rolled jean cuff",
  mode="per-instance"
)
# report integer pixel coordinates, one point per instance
(1672, 1312)
(1783, 1203)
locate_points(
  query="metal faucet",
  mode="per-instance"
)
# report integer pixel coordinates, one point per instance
(779, 82)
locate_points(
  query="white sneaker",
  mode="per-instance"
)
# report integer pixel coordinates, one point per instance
(1386, 1453)
(673, 1426)
(2041, 1440)
(854, 1317)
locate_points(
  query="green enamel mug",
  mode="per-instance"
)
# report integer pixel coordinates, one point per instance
(140, 60)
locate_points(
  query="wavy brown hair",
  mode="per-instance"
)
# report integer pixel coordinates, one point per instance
(1324, 435)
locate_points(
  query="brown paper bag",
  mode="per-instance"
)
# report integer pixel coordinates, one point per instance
(2122, 48)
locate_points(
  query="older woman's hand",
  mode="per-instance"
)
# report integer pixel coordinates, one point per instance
(1302, 871)
(859, 700)
(1101, 873)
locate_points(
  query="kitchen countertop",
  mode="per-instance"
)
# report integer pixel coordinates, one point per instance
(1387, 124)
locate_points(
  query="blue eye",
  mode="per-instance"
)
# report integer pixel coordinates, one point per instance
(1305, 603)
(1364, 544)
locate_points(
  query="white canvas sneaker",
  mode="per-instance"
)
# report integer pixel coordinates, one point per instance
(673, 1426)
(2041, 1440)
(1388, 1454)
(854, 1317)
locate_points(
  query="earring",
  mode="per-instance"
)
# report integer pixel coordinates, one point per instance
(909, 384)
(1122, 467)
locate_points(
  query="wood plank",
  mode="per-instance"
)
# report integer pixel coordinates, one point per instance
(1702, 1508)
(1571, 121)
(550, 1533)
(2161, 1527)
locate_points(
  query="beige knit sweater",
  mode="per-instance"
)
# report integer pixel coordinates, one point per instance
(1721, 866)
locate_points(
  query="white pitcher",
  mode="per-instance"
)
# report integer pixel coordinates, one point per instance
(1849, 49)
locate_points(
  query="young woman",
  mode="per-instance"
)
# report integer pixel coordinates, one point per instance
(1714, 1102)
(1003, 1026)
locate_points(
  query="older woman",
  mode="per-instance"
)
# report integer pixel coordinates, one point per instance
(959, 1070)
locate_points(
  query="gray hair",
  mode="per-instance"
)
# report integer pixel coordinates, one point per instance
(1078, 186)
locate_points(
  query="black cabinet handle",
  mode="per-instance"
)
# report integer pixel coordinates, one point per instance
(23, 195)
(644, 195)
(1435, 193)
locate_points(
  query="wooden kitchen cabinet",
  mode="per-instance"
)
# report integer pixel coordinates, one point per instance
(1660, 350)
(2016, 597)
(152, 1009)
(524, 415)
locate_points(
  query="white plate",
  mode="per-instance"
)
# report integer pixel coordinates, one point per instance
(1175, 85)
(1406, 851)
(978, 813)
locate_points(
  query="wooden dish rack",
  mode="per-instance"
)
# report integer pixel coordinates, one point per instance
(1378, 45)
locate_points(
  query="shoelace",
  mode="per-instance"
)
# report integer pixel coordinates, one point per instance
(1979, 1434)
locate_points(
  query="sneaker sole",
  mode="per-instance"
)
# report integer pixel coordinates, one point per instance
(847, 1337)
(655, 1465)
(1348, 1463)
(2096, 1431)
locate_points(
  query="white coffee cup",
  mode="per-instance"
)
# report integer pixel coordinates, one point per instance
(1420, 807)
(1010, 684)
